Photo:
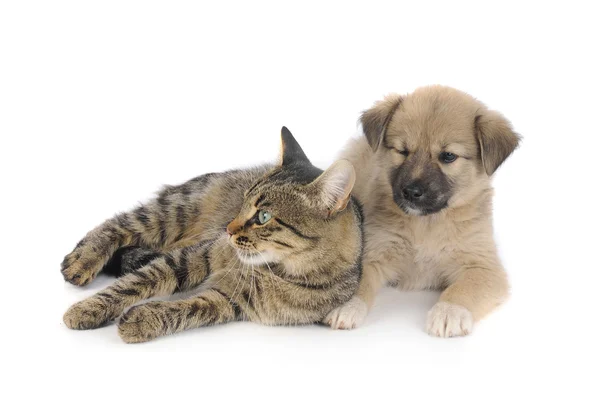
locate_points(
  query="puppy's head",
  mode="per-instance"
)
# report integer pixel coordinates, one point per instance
(439, 146)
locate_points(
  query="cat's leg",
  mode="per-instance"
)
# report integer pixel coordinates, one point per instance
(155, 225)
(128, 259)
(160, 318)
(179, 270)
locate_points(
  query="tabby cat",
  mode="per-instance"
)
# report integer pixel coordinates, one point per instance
(290, 256)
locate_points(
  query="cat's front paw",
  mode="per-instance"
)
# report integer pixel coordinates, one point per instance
(348, 316)
(141, 323)
(88, 314)
(449, 320)
(82, 265)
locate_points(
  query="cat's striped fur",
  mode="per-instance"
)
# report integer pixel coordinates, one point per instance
(294, 269)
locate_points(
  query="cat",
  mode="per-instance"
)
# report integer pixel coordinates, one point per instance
(291, 255)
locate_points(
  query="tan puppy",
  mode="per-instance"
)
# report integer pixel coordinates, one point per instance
(423, 174)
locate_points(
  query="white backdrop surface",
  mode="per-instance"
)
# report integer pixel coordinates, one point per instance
(103, 102)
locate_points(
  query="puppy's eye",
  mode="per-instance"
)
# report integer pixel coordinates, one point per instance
(264, 217)
(403, 152)
(447, 157)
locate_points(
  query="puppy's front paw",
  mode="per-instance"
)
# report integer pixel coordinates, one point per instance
(88, 314)
(449, 320)
(348, 316)
(140, 324)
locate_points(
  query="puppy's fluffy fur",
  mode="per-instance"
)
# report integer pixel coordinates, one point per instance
(441, 237)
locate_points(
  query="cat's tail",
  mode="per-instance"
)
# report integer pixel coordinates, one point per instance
(129, 258)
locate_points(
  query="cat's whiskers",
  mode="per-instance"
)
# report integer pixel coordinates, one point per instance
(250, 277)
(268, 266)
(243, 265)
(252, 286)
(223, 246)
(273, 283)
(251, 271)
(233, 265)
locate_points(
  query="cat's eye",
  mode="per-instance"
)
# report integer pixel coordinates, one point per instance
(447, 157)
(264, 216)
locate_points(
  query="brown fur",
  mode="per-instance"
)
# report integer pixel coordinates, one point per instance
(292, 268)
(450, 248)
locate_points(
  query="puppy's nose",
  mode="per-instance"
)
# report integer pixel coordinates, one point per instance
(413, 192)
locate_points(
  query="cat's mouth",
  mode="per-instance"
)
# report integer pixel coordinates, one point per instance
(254, 257)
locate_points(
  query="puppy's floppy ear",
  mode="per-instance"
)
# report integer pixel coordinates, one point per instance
(334, 186)
(496, 137)
(291, 152)
(375, 120)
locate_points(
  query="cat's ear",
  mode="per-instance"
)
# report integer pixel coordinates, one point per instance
(291, 152)
(335, 185)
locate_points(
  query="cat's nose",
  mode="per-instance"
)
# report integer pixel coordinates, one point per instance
(233, 228)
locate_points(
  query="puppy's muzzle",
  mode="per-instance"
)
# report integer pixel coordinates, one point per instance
(414, 193)
(420, 196)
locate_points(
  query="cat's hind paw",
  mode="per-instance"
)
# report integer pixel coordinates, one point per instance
(87, 314)
(140, 324)
(81, 266)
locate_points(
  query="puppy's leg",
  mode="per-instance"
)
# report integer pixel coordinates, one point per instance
(474, 292)
(353, 313)
(376, 273)
(382, 262)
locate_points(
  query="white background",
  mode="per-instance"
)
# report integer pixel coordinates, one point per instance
(102, 102)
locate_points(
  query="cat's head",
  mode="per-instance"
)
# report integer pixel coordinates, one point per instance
(286, 211)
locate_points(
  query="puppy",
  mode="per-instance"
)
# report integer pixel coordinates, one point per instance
(423, 175)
